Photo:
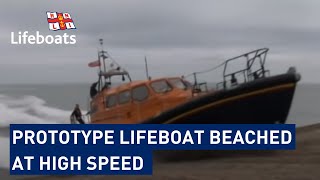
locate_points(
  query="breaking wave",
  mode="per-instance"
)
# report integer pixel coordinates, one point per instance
(29, 110)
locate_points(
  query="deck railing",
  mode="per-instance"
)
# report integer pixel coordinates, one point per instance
(253, 69)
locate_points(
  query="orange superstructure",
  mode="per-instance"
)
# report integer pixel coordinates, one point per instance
(136, 101)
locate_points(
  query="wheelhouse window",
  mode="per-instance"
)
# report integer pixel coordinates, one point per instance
(178, 83)
(140, 93)
(161, 86)
(124, 97)
(111, 101)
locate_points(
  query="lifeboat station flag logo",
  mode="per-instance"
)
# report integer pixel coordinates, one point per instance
(60, 21)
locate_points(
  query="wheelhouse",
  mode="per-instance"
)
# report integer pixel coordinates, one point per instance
(139, 100)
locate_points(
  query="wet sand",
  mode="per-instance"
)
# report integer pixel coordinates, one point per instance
(302, 163)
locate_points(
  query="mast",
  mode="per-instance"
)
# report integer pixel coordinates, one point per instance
(101, 54)
(100, 80)
(104, 57)
(111, 71)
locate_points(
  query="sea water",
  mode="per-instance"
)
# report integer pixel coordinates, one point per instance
(53, 103)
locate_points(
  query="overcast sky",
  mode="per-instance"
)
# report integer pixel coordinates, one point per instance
(177, 36)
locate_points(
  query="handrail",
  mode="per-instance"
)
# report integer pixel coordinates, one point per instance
(251, 57)
(250, 61)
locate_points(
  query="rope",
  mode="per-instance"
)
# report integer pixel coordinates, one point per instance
(114, 61)
(205, 71)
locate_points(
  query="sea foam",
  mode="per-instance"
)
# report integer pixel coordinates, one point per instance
(29, 110)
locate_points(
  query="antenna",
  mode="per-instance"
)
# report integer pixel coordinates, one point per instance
(147, 71)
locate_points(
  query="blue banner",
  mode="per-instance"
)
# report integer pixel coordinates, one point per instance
(127, 149)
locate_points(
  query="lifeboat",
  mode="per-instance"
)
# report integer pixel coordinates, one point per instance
(249, 95)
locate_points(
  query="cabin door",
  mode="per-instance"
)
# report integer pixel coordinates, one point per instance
(126, 110)
(144, 103)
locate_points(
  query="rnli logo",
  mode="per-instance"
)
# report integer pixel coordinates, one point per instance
(60, 21)
(57, 21)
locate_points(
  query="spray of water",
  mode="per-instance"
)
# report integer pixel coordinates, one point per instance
(29, 110)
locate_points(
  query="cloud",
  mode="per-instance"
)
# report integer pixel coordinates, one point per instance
(192, 34)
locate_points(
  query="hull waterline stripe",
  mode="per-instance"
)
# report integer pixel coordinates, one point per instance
(254, 93)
